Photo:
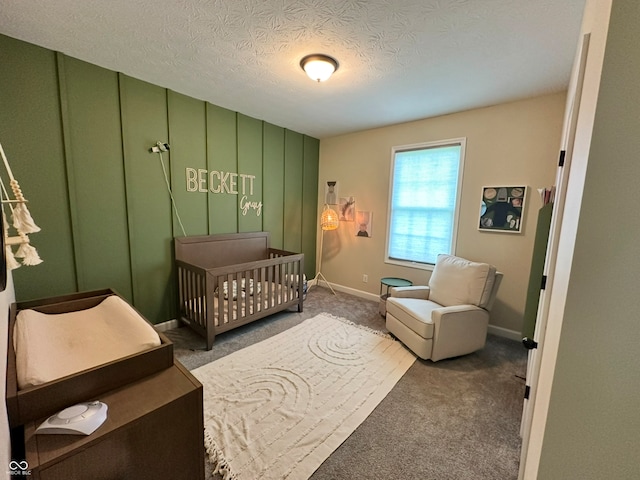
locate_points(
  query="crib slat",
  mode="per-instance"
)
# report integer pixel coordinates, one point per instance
(270, 285)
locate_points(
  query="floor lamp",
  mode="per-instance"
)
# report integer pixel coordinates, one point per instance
(328, 221)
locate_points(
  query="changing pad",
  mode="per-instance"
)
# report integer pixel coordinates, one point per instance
(52, 346)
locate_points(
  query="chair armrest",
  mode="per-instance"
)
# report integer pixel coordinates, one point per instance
(417, 291)
(450, 313)
(458, 330)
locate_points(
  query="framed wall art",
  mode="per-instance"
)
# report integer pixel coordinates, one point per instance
(502, 208)
(346, 209)
(364, 224)
(331, 192)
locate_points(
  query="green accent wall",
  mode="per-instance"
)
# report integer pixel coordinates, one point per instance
(293, 198)
(249, 163)
(78, 138)
(31, 135)
(143, 108)
(311, 164)
(222, 156)
(187, 135)
(536, 273)
(98, 203)
(273, 185)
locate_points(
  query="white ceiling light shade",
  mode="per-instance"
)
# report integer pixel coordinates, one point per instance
(319, 67)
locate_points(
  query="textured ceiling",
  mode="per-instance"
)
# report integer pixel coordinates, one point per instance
(400, 60)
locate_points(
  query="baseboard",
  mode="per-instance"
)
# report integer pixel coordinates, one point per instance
(168, 325)
(505, 332)
(349, 290)
(356, 293)
(494, 330)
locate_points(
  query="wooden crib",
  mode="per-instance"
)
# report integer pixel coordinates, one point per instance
(229, 280)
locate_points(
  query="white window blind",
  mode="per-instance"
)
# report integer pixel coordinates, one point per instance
(425, 189)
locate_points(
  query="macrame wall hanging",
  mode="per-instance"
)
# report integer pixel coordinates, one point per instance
(17, 233)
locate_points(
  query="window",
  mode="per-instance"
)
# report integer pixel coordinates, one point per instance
(426, 181)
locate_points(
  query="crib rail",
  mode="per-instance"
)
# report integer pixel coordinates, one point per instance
(218, 299)
(246, 292)
(192, 296)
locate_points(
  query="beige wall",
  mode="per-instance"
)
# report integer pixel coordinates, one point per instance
(514, 143)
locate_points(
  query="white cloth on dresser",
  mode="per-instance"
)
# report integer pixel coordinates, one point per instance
(52, 346)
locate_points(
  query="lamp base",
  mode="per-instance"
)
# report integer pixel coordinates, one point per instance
(317, 279)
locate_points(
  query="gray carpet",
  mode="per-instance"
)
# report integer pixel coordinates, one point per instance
(457, 419)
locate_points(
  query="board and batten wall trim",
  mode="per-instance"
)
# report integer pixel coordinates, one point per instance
(78, 137)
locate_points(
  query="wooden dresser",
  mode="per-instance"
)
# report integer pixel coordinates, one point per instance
(154, 430)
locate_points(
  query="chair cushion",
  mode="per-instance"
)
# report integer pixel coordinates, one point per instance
(456, 281)
(415, 313)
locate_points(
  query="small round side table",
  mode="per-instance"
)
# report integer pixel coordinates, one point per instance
(390, 282)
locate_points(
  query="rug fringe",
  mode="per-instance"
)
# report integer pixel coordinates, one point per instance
(322, 381)
(216, 457)
(357, 325)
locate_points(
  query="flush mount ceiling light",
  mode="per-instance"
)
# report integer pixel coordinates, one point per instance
(319, 67)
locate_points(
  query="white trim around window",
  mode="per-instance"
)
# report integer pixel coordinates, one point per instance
(421, 207)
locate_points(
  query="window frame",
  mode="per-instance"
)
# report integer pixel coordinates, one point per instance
(460, 141)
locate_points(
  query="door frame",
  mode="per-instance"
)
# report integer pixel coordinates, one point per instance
(578, 128)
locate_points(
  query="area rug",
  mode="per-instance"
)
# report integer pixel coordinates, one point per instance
(277, 409)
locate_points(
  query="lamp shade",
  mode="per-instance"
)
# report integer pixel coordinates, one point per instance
(329, 219)
(319, 67)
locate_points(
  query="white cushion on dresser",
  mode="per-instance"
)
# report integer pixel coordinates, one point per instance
(52, 346)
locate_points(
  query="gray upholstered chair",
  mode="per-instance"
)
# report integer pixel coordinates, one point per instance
(450, 316)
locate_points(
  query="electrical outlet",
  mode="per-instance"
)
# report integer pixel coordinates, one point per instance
(365, 278)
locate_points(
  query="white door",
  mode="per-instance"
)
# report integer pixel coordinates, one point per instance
(576, 140)
(535, 345)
